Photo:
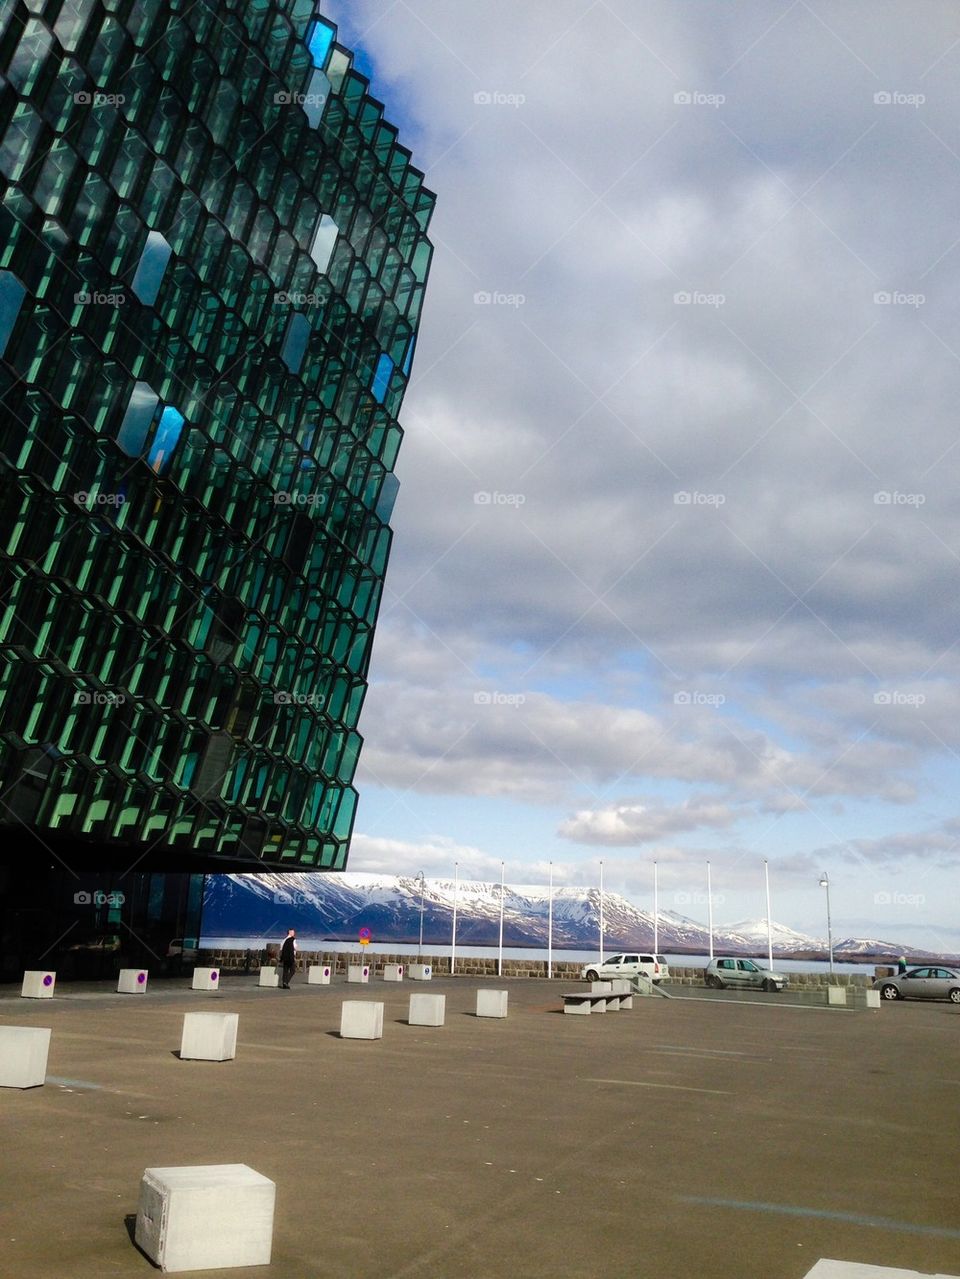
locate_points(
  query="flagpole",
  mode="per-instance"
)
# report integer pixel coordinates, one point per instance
(656, 908)
(766, 876)
(550, 927)
(710, 908)
(456, 892)
(601, 912)
(500, 954)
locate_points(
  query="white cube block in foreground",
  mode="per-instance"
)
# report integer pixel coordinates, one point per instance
(873, 998)
(419, 972)
(269, 977)
(836, 994)
(361, 1019)
(427, 1010)
(206, 979)
(132, 981)
(209, 1036)
(491, 1003)
(393, 972)
(358, 973)
(206, 1218)
(318, 975)
(23, 1056)
(38, 985)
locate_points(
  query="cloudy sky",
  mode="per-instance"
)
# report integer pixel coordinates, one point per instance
(676, 570)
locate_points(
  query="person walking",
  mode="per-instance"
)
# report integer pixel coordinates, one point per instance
(901, 965)
(288, 958)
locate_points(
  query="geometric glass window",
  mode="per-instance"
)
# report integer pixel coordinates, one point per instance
(319, 40)
(408, 358)
(381, 377)
(315, 99)
(138, 419)
(324, 240)
(165, 440)
(12, 294)
(153, 263)
(388, 495)
(295, 342)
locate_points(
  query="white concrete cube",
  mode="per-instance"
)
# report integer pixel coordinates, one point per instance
(580, 1008)
(419, 972)
(873, 998)
(427, 1010)
(209, 1036)
(393, 972)
(206, 979)
(836, 994)
(621, 986)
(358, 973)
(205, 1218)
(598, 987)
(361, 1019)
(318, 975)
(269, 977)
(132, 981)
(23, 1056)
(38, 985)
(492, 1003)
(626, 1001)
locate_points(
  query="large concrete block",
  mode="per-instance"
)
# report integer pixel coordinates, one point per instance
(393, 972)
(598, 987)
(269, 977)
(319, 975)
(837, 995)
(358, 973)
(621, 986)
(579, 1008)
(209, 1036)
(38, 985)
(826, 1269)
(206, 979)
(23, 1056)
(205, 1218)
(419, 972)
(427, 1010)
(132, 981)
(873, 998)
(361, 1019)
(492, 1003)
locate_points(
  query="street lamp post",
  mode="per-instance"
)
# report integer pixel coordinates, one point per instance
(825, 883)
(423, 884)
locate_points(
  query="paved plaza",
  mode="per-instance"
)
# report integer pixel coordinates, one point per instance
(682, 1139)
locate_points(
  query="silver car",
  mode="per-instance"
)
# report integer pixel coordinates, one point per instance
(742, 973)
(921, 983)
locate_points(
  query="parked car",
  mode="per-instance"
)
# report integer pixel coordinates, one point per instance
(737, 973)
(653, 966)
(178, 950)
(921, 983)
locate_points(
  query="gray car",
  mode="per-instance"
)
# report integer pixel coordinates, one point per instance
(742, 974)
(921, 983)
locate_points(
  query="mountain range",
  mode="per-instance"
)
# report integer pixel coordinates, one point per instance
(336, 907)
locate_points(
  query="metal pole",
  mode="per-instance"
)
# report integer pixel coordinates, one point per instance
(550, 927)
(601, 912)
(766, 876)
(456, 892)
(825, 883)
(423, 884)
(656, 909)
(500, 954)
(710, 907)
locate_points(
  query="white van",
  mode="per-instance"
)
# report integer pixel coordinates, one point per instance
(654, 966)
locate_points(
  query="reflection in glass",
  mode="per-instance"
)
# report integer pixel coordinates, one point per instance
(153, 264)
(137, 420)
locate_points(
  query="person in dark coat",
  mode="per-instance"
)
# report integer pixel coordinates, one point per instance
(901, 965)
(288, 958)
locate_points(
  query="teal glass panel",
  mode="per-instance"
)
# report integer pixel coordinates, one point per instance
(150, 271)
(295, 342)
(138, 419)
(12, 293)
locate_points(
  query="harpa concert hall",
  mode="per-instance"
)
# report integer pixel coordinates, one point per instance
(213, 258)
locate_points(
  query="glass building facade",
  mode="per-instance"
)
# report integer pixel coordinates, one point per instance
(213, 256)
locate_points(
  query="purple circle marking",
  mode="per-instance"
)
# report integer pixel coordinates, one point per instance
(366, 972)
(326, 972)
(364, 934)
(141, 978)
(48, 980)
(214, 975)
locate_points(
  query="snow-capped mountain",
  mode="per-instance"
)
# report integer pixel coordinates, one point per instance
(337, 906)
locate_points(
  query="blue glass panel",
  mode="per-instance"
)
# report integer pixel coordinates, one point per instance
(408, 358)
(324, 242)
(12, 294)
(153, 263)
(381, 378)
(388, 495)
(137, 420)
(165, 440)
(295, 342)
(319, 41)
